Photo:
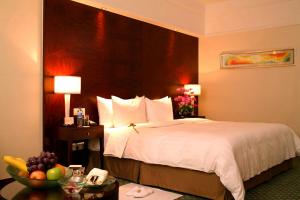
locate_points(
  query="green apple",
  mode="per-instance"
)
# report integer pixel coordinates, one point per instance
(54, 174)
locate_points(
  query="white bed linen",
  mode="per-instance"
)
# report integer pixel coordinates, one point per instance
(235, 151)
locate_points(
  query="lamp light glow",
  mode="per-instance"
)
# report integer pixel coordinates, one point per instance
(67, 85)
(195, 89)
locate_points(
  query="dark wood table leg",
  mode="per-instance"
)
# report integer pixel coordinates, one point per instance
(101, 142)
(69, 159)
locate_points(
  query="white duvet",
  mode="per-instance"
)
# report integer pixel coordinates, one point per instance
(235, 151)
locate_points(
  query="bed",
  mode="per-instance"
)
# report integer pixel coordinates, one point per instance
(182, 180)
(213, 159)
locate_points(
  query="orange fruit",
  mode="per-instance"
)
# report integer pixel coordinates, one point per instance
(62, 168)
(38, 174)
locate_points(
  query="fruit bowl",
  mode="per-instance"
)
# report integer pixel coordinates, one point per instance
(33, 183)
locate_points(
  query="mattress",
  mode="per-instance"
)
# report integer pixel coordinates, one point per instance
(234, 151)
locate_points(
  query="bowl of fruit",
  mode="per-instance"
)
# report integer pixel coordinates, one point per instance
(38, 172)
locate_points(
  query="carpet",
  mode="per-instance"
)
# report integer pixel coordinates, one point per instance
(157, 194)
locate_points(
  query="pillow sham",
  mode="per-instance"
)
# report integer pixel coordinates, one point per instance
(127, 111)
(105, 112)
(159, 110)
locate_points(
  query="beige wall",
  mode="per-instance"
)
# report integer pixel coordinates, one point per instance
(253, 94)
(20, 79)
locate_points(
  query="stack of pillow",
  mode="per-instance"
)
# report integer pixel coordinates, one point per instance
(116, 112)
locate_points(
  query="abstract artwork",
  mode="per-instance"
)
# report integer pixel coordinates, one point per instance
(257, 58)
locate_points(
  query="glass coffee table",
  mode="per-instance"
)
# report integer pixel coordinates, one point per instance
(14, 190)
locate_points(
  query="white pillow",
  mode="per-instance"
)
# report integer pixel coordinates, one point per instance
(159, 110)
(127, 111)
(105, 112)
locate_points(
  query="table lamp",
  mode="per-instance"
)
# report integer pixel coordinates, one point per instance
(193, 90)
(67, 85)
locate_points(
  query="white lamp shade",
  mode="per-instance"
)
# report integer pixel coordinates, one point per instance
(67, 84)
(195, 89)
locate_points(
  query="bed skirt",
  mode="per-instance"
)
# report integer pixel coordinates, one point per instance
(183, 180)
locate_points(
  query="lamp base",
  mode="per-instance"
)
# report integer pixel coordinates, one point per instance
(69, 120)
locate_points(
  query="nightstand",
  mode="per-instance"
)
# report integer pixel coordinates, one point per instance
(196, 116)
(74, 134)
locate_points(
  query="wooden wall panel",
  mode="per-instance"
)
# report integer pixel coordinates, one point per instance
(113, 54)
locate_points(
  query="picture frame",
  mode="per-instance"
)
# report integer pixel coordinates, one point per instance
(76, 110)
(266, 58)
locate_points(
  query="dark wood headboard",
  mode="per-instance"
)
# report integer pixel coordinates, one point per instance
(113, 54)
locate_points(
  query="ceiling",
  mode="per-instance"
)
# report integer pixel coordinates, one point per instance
(194, 5)
(209, 1)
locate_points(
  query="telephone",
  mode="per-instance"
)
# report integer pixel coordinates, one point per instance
(96, 176)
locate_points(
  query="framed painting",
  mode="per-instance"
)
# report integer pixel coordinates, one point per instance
(257, 58)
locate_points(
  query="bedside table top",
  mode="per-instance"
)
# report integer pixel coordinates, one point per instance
(83, 127)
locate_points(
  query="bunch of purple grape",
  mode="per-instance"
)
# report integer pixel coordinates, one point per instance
(45, 161)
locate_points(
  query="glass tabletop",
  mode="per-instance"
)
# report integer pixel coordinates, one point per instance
(16, 191)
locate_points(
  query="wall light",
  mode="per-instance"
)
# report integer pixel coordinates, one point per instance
(195, 89)
(67, 85)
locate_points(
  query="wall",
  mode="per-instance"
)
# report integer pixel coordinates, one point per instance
(245, 15)
(20, 79)
(186, 17)
(21, 63)
(114, 55)
(252, 94)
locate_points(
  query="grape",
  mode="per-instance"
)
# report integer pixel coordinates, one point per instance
(45, 161)
(41, 167)
(52, 161)
(48, 154)
(49, 166)
(42, 158)
(30, 160)
(34, 167)
(39, 160)
(29, 169)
